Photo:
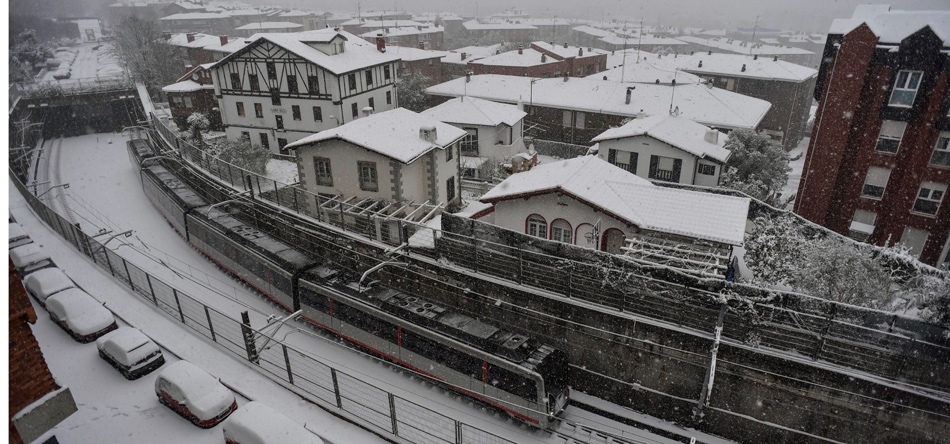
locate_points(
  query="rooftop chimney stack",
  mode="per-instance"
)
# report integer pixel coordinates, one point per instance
(743, 67)
(641, 115)
(190, 36)
(700, 63)
(544, 58)
(755, 57)
(224, 40)
(428, 133)
(580, 52)
(565, 44)
(367, 111)
(775, 59)
(464, 55)
(468, 77)
(629, 94)
(520, 51)
(712, 136)
(380, 42)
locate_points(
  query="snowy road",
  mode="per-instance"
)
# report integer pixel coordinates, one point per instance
(105, 193)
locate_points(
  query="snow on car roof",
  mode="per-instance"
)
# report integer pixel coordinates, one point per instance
(205, 394)
(16, 231)
(475, 111)
(679, 132)
(133, 343)
(27, 254)
(48, 281)
(82, 313)
(255, 422)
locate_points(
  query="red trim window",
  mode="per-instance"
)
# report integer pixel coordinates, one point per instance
(561, 231)
(536, 225)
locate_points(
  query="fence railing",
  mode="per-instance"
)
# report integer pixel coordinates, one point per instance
(374, 408)
(57, 88)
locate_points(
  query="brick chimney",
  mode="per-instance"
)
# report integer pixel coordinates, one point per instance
(580, 52)
(544, 58)
(743, 67)
(380, 43)
(224, 40)
(190, 36)
(565, 45)
(464, 55)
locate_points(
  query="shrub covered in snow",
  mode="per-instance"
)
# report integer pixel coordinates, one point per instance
(843, 272)
(774, 249)
(755, 166)
(243, 154)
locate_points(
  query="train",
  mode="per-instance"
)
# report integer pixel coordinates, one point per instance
(509, 371)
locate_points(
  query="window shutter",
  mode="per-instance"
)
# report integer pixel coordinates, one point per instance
(632, 165)
(654, 161)
(677, 166)
(612, 156)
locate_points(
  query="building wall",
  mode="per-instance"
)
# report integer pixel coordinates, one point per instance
(201, 101)
(219, 26)
(551, 68)
(565, 125)
(856, 88)
(430, 68)
(646, 146)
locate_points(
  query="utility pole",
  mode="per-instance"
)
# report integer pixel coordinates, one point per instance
(640, 40)
(754, 28)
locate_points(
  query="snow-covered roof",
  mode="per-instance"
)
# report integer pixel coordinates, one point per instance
(359, 53)
(394, 134)
(195, 16)
(474, 111)
(710, 106)
(475, 25)
(255, 422)
(403, 30)
(734, 65)
(185, 86)
(471, 53)
(205, 395)
(633, 199)
(433, 16)
(268, 25)
(648, 40)
(189, 5)
(528, 57)
(597, 32)
(893, 26)
(561, 51)
(679, 132)
(241, 12)
(16, 231)
(364, 23)
(644, 72)
(410, 54)
(296, 14)
(742, 47)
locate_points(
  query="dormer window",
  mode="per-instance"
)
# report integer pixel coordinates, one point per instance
(338, 48)
(905, 88)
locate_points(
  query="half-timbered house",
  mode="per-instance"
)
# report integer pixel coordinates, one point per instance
(280, 88)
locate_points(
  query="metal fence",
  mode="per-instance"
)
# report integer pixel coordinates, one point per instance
(372, 407)
(59, 88)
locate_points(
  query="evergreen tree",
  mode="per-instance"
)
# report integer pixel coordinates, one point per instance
(755, 166)
(411, 93)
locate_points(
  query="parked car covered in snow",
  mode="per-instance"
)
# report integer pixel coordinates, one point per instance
(83, 317)
(18, 235)
(194, 394)
(131, 352)
(44, 283)
(257, 423)
(29, 258)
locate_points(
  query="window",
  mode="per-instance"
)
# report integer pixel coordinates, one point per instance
(368, 74)
(537, 226)
(313, 84)
(450, 189)
(941, 155)
(862, 224)
(187, 102)
(579, 120)
(448, 152)
(271, 71)
(236, 81)
(351, 79)
(469, 144)
(275, 97)
(295, 109)
(389, 97)
(245, 135)
(929, 197)
(915, 239)
(255, 84)
(240, 108)
(321, 170)
(706, 169)
(889, 139)
(905, 88)
(730, 84)
(875, 182)
(561, 231)
(355, 109)
(566, 119)
(258, 110)
(372, 103)
(317, 114)
(177, 101)
(292, 84)
(280, 121)
(386, 74)
(264, 142)
(282, 145)
(665, 168)
(368, 181)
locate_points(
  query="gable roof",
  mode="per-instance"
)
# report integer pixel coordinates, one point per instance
(474, 111)
(894, 26)
(528, 57)
(646, 72)
(394, 134)
(268, 25)
(632, 199)
(679, 132)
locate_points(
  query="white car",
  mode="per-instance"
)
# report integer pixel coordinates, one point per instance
(130, 352)
(29, 258)
(83, 317)
(194, 394)
(18, 235)
(256, 423)
(44, 283)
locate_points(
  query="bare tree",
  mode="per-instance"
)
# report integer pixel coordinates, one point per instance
(140, 46)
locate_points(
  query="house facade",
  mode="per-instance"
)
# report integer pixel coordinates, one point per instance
(489, 32)
(280, 88)
(393, 156)
(667, 149)
(414, 62)
(194, 93)
(421, 36)
(878, 164)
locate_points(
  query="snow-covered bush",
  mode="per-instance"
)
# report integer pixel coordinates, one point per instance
(934, 300)
(843, 272)
(774, 250)
(243, 154)
(197, 122)
(755, 166)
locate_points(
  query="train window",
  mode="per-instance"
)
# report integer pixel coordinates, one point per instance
(282, 283)
(365, 322)
(455, 359)
(512, 382)
(314, 300)
(423, 345)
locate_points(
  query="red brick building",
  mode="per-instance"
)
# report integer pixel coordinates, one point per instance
(194, 93)
(542, 60)
(415, 62)
(878, 164)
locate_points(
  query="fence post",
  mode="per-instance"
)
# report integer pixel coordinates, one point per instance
(108, 261)
(148, 278)
(276, 194)
(711, 372)
(824, 331)
(458, 432)
(342, 216)
(290, 374)
(392, 413)
(230, 177)
(249, 338)
(520, 266)
(570, 281)
(336, 389)
(178, 303)
(294, 192)
(126, 265)
(210, 325)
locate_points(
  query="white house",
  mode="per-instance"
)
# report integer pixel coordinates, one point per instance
(280, 88)
(393, 156)
(494, 130)
(588, 202)
(667, 148)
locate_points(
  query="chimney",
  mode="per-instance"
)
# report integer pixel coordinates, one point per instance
(580, 52)
(700, 63)
(641, 115)
(428, 133)
(629, 93)
(190, 36)
(380, 43)
(336, 29)
(422, 45)
(743, 67)
(497, 51)
(167, 35)
(566, 75)
(544, 58)
(224, 39)
(712, 136)
(464, 55)
(520, 51)
(710, 53)
(565, 44)
(775, 59)
(367, 111)
(755, 57)
(419, 27)
(468, 77)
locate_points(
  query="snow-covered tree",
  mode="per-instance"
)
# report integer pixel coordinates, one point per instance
(774, 250)
(140, 46)
(841, 271)
(198, 122)
(26, 54)
(243, 154)
(934, 299)
(411, 92)
(755, 166)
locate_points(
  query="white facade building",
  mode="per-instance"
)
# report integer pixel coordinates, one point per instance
(280, 88)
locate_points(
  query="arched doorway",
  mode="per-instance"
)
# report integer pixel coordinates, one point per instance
(612, 241)
(583, 236)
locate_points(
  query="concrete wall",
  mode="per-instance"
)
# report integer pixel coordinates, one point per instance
(513, 214)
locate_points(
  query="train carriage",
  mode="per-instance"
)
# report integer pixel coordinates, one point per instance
(265, 263)
(509, 371)
(170, 196)
(139, 150)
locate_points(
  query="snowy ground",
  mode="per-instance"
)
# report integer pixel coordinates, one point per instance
(283, 171)
(105, 193)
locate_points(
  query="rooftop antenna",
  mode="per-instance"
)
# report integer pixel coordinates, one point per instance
(673, 90)
(754, 28)
(623, 65)
(640, 39)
